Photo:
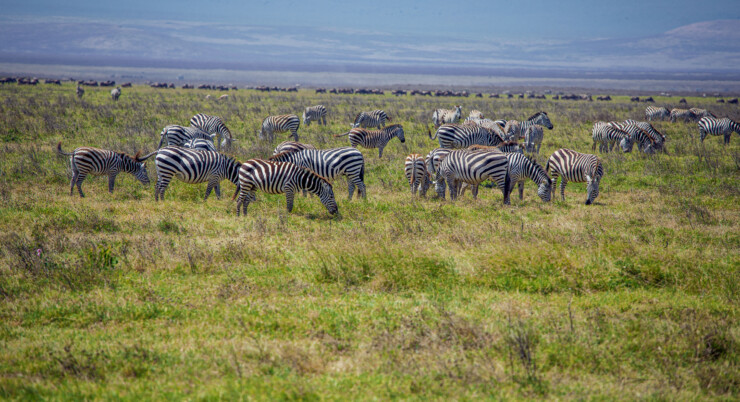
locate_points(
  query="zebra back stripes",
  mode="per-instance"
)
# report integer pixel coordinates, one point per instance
(374, 138)
(331, 163)
(574, 166)
(86, 161)
(638, 136)
(516, 129)
(291, 146)
(415, 171)
(213, 125)
(463, 166)
(656, 113)
(681, 114)
(279, 124)
(314, 113)
(179, 135)
(281, 178)
(454, 136)
(443, 116)
(199, 145)
(714, 126)
(374, 118)
(657, 137)
(607, 135)
(698, 114)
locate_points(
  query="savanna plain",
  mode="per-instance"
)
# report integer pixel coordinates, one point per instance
(118, 296)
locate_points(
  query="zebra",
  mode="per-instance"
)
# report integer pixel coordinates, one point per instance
(213, 125)
(533, 137)
(521, 167)
(574, 166)
(463, 135)
(512, 130)
(281, 178)
(291, 146)
(374, 138)
(199, 144)
(80, 91)
(475, 114)
(606, 136)
(714, 126)
(415, 170)
(330, 164)
(314, 113)
(656, 113)
(279, 124)
(463, 166)
(193, 166)
(684, 114)
(657, 136)
(431, 162)
(510, 146)
(518, 130)
(115, 93)
(371, 119)
(697, 114)
(99, 162)
(178, 135)
(637, 135)
(443, 116)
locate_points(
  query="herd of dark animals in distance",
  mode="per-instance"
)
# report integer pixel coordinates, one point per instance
(471, 152)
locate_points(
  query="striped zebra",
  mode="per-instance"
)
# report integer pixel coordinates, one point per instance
(657, 136)
(375, 118)
(415, 170)
(574, 166)
(475, 114)
(330, 164)
(279, 124)
(463, 135)
(656, 113)
(213, 125)
(374, 138)
(512, 130)
(281, 178)
(193, 166)
(518, 130)
(510, 146)
(199, 145)
(314, 113)
(681, 114)
(434, 175)
(644, 141)
(444, 116)
(697, 114)
(521, 167)
(714, 126)
(463, 166)
(533, 137)
(291, 146)
(606, 136)
(179, 135)
(115, 93)
(99, 162)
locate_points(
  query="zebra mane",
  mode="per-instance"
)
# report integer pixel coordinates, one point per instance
(392, 126)
(307, 170)
(536, 114)
(135, 158)
(506, 143)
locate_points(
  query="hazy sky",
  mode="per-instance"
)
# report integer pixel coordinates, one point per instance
(507, 20)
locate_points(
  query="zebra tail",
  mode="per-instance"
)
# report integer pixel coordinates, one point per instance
(362, 172)
(238, 188)
(507, 183)
(342, 135)
(430, 134)
(59, 150)
(145, 157)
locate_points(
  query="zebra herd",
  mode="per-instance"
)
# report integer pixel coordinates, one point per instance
(469, 153)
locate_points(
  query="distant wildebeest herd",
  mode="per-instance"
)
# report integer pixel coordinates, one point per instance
(471, 151)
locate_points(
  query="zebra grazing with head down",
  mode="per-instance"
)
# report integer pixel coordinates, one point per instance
(213, 125)
(444, 116)
(115, 93)
(434, 175)
(697, 114)
(684, 114)
(291, 146)
(199, 145)
(99, 162)
(606, 136)
(644, 141)
(464, 135)
(179, 135)
(472, 168)
(330, 164)
(279, 124)
(415, 171)
(314, 113)
(374, 138)
(516, 129)
(574, 166)
(521, 168)
(281, 178)
(657, 137)
(193, 166)
(375, 118)
(714, 126)
(656, 113)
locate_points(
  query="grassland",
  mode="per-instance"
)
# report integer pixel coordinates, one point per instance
(116, 296)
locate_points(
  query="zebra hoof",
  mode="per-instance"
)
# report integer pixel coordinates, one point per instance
(588, 202)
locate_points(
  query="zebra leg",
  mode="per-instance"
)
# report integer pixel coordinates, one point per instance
(324, 120)
(727, 138)
(521, 190)
(75, 175)
(289, 196)
(474, 191)
(80, 179)
(380, 152)
(351, 187)
(162, 183)
(361, 190)
(295, 135)
(562, 187)
(218, 190)
(111, 182)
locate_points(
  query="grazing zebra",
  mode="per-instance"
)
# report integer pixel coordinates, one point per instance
(443, 116)
(415, 171)
(576, 167)
(80, 91)
(115, 93)
(656, 113)
(291, 146)
(281, 178)
(374, 138)
(279, 124)
(644, 141)
(475, 114)
(193, 166)
(463, 166)
(714, 126)
(657, 136)
(199, 145)
(464, 135)
(213, 125)
(330, 164)
(179, 135)
(684, 114)
(521, 168)
(99, 162)
(314, 113)
(375, 118)
(533, 137)
(510, 146)
(606, 136)
(698, 114)
(518, 130)
(431, 162)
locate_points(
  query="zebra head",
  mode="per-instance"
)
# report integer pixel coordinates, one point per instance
(592, 188)
(542, 119)
(458, 112)
(141, 173)
(358, 119)
(136, 167)
(399, 134)
(306, 121)
(326, 195)
(626, 144)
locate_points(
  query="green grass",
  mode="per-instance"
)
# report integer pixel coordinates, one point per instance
(397, 297)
